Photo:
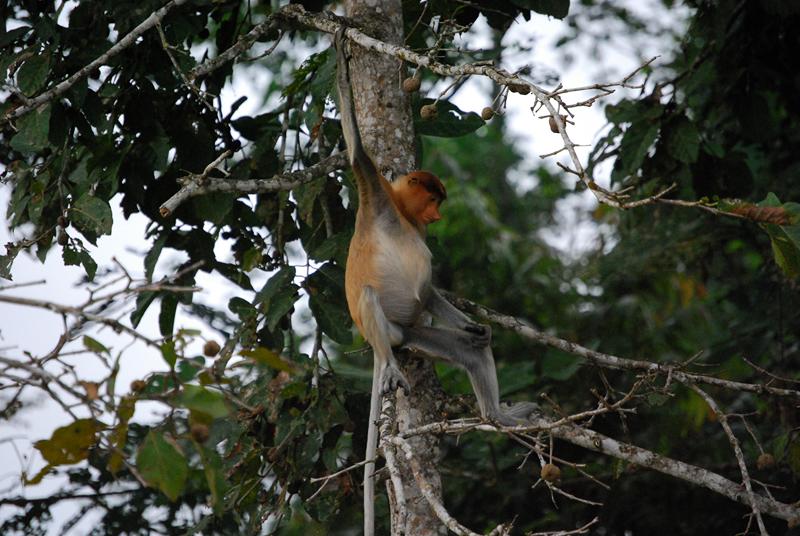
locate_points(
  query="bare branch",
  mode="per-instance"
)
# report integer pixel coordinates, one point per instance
(194, 185)
(395, 473)
(242, 44)
(79, 313)
(737, 450)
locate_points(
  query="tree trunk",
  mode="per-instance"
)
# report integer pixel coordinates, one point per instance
(384, 119)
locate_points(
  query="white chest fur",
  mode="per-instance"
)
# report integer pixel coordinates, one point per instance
(403, 262)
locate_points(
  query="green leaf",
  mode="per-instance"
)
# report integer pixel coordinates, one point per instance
(631, 111)
(213, 207)
(188, 369)
(279, 280)
(327, 301)
(203, 400)
(307, 195)
(162, 465)
(450, 121)
(166, 318)
(683, 141)
(334, 247)
(7, 260)
(12, 35)
(33, 73)
(234, 274)
(303, 76)
(333, 317)
(76, 256)
(215, 478)
(94, 345)
(280, 305)
(253, 128)
(267, 357)
(152, 256)
(119, 435)
(242, 308)
(168, 352)
(143, 301)
(785, 239)
(633, 148)
(786, 247)
(69, 444)
(793, 457)
(161, 146)
(33, 130)
(91, 214)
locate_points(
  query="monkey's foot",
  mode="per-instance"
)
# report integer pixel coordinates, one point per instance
(392, 379)
(515, 414)
(481, 334)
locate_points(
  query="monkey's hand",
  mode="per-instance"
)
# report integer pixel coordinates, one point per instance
(392, 380)
(481, 334)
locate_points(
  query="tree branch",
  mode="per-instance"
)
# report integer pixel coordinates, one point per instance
(201, 184)
(295, 12)
(737, 449)
(242, 44)
(597, 442)
(611, 361)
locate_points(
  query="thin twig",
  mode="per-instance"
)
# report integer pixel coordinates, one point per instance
(737, 450)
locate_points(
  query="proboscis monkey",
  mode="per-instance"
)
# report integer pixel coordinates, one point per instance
(388, 285)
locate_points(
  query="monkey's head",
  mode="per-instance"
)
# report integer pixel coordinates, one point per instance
(419, 195)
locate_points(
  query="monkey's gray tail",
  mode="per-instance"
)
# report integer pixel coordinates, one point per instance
(372, 447)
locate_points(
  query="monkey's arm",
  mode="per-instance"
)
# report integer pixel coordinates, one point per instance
(370, 179)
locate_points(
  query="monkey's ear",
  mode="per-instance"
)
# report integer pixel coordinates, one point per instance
(413, 180)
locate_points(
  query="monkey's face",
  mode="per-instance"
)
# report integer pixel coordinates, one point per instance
(421, 194)
(417, 202)
(429, 211)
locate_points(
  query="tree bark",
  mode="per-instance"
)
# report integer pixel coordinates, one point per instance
(385, 121)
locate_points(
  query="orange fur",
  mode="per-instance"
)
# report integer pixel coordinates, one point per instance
(415, 199)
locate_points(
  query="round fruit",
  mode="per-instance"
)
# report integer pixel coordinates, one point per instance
(199, 433)
(765, 461)
(138, 386)
(550, 472)
(428, 111)
(211, 348)
(411, 84)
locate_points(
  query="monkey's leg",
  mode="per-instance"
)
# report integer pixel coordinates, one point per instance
(382, 335)
(446, 313)
(386, 377)
(465, 350)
